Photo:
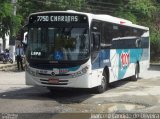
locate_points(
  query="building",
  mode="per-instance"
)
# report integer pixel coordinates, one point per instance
(7, 43)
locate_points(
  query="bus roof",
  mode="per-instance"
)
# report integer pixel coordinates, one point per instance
(102, 17)
(117, 20)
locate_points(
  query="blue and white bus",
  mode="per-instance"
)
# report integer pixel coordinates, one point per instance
(83, 50)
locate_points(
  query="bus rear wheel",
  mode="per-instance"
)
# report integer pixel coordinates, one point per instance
(136, 75)
(102, 88)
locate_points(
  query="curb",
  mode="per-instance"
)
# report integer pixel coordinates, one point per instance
(154, 64)
(7, 66)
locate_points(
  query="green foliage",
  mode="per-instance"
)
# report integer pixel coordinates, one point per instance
(16, 24)
(71, 4)
(137, 10)
(127, 15)
(26, 7)
(142, 7)
(5, 15)
(142, 12)
(9, 24)
(5, 10)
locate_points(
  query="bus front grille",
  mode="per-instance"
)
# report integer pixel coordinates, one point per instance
(60, 82)
(42, 74)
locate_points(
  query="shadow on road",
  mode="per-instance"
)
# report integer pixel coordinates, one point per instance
(64, 96)
(120, 83)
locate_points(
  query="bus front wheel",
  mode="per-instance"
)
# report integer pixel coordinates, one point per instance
(102, 88)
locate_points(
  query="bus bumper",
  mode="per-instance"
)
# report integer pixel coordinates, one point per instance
(84, 81)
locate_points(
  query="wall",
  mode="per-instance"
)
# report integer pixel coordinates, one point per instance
(7, 43)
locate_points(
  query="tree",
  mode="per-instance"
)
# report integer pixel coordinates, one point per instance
(9, 24)
(144, 12)
(26, 7)
(4, 20)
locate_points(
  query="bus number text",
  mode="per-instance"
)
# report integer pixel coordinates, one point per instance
(42, 18)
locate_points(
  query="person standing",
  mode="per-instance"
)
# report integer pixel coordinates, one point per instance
(19, 56)
(0, 48)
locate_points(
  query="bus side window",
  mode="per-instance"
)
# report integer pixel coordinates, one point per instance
(96, 41)
(106, 37)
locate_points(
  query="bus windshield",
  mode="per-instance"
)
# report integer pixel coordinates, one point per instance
(58, 44)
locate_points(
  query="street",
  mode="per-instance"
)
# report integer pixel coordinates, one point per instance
(123, 96)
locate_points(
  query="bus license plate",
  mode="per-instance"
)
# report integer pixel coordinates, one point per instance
(54, 81)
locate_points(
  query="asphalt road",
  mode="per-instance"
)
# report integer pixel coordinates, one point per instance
(122, 97)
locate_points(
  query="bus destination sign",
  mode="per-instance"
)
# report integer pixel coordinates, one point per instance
(58, 18)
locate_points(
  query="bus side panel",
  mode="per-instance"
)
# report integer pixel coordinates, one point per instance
(114, 59)
(145, 60)
(145, 44)
(144, 63)
(136, 56)
(95, 78)
(123, 62)
(101, 60)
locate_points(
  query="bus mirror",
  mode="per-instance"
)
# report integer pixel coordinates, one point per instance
(25, 27)
(138, 43)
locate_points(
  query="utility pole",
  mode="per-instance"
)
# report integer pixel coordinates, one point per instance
(14, 2)
(12, 38)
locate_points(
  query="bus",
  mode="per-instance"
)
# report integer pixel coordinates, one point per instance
(84, 50)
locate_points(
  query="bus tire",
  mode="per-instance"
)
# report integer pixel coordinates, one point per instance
(102, 88)
(136, 75)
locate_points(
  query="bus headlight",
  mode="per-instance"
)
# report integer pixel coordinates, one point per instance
(30, 71)
(85, 69)
(81, 72)
(33, 73)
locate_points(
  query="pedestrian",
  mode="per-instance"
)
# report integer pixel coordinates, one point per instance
(19, 56)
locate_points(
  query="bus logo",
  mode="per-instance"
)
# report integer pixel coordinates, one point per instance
(53, 74)
(125, 59)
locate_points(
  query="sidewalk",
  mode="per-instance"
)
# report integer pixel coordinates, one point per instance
(4, 67)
